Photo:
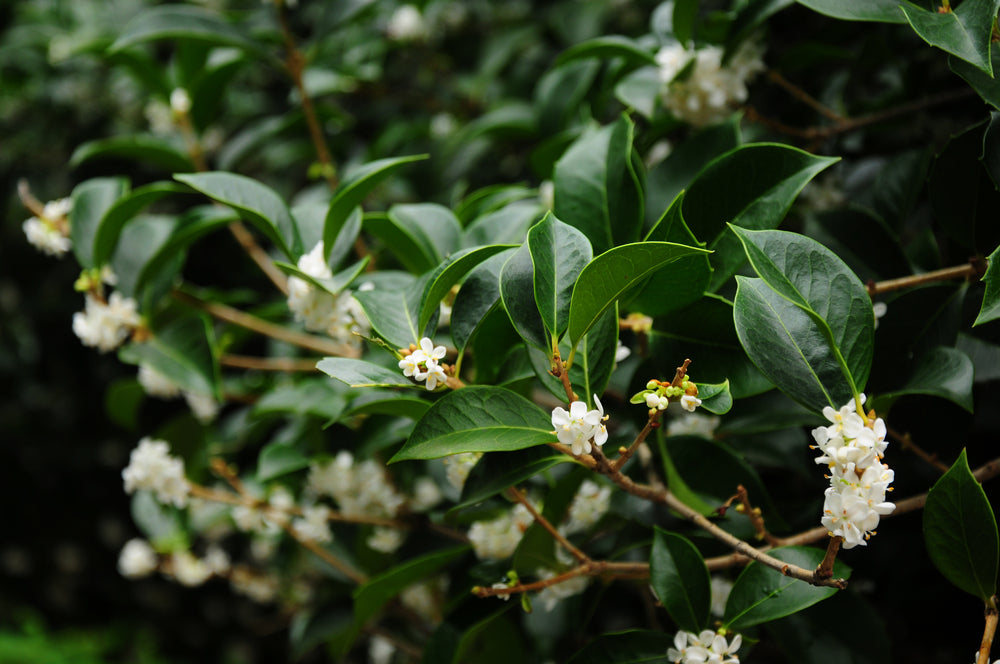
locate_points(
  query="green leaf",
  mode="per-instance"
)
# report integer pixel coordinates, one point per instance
(279, 459)
(376, 592)
(814, 279)
(354, 189)
(960, 531)
(723, 194)
(182, 351)
(393, 311)
(91, 201)
(990, 309)
(943, 372)
(716, 399)
(359, 373)
(477, 419)
(183, 22)
(496, 471)
(449, 273)
(676, 483)
(607, 47)
(632, 647)
(885, 11)
(479, 295)
(680, 579)
(258, 204)
(420, 235)
(597, 189)
(508, 225)
(141, 148)
(517, 289)
(640, 90)
(314, 396)
(987, 86)
(964, 32)
(335, 284)
(124, 209)
(613, 273)
(159, 523)
(762, 594)
(559, 253)
(788, 346)
(140, 241)
(386, 402)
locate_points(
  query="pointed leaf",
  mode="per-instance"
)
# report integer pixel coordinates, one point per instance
(517, 279)
(479, 294)
(258, 204)
(964, 32)
(496, 471)
(183, 22)
(559, 253)
(122, 211)
(354, 189)
(943, 372)
(886, 11)
(960, 531)
(181, 351)
(141, 148)
(193, 225)
(393, 312)
(91, 201)
(477, 419)
(680, 579)
(990, 309)
(358, 373)
(607, 47)
(278, 459)
(449, 273)
(762, 594)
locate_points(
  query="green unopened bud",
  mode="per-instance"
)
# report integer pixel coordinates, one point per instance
(652, 385)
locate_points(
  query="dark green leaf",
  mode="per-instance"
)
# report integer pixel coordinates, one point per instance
(762, 594)
(359, 373)
(633, 647)
(960, 531)
(943, 372)
(991, 300)
(256, 203)
(182, 351)
(477, 419)
(496, 471)
(886, 11)
(122, 211)
(159, 523)
(640, 90)
(716, 399)
(314, 396)
(141, 148)
(963, 32)
(182, 22)
(479, 294)
(517, 288)
(91, 201)
(279, 459)
(190, 227)
(680, 579)
(559, 253)
(386, 402)
(393, 312)
(987, 86)
(449, 273)
(140, 241)
(508, 225)
(609, 46)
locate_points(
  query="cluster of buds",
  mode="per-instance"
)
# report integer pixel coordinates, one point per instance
(658, 395)
(421, 363)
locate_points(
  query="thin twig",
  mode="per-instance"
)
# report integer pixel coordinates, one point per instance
(825, 569)
(591, 568)
(519, 496)
(259, 256)
(283, 364)
(989, 631)
(906, 442)
(972, 269)
(805, 97)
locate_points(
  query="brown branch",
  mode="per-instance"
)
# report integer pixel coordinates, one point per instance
(560, 371)
(519, 496)
(906, 441)
(603, 568)
(28, 200)
(283, 364)
(825, 569)
(261, 326)
(258, 255)
(974, 268)
(805, 97)
(625, 454)
(989, 631)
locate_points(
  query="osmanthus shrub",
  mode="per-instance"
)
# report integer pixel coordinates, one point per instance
(532, 331)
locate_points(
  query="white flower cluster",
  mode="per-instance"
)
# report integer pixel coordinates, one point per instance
(407, 24)
(203, 406)
(550, 596)
(706, 648)
(422, 363)
(498, 538)
(852, 447)
(578, 427)
(589, 505)
(458, 467)
(339, 316)
(711, 90)
(106, 325)
(693, 424)
(152, 468)
(314, 525)
(50, 232)
(137, 559)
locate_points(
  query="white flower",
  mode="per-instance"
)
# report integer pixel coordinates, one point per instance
(50, 232)
(622, 352)
(422, 364)
(711, 90)
(360, 489)
(671, 59)
(502, 585)
(426, 598)
(589, 505)
(407, 24)
(690, 403)
(380, 650)
(435, 374)
(385, 540)
(579, 426)
(552, 595)
(152, 468)
(653, 400)
(693, 424)
(106, 326)
(426, 494)
(721, 587)
(203, 406)
(156, 384)
(189, 570)
(137, 559)
(314, 526)
(879, 309)
(217, 560)
(180, 101)
(498, 538)
(458, 467)
(340, 316)
(706, 648)
(258, 587)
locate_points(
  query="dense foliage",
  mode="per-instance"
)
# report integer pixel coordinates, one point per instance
(475, 331)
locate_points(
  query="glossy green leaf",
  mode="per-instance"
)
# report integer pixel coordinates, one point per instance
(943, 372)
(182, 351)
(680, 580)
(610, 46)
(91, 201)
(990, 309)
(676, 483)
(633, 647)
(559, 253)
(597, 189)
(814, 279)
(335, 284)
(964, 32)
(611, 274)
(788, 346)
(359, 373)
(885, 11)
(314, 396)
(256, 203)
(194, 224)
(124, 209)
(508, 225)
(762, 594)
(496, 471)
(140, 241)
(433, 229)
(386, 402)
(376, 592)
(640, 90)
(449, 273)
(960, 531)
(716, 399)
(987, 86)
(182, 22)
(477, 419)
(354, 189)
(479, 294)
(723, 194)
(517, 288)
(141, 148)
(279, 459)
(309, 218)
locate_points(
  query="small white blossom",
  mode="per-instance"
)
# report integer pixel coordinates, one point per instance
(498, 538)
(690, 403)
(156, 384)
(137, 559)
(622, 352)
(188, 569)
(407, 24)
(879, 309)
(360, 489)
(380, 650)
(385, 540)
(721, 587)
(579, 426)
(426, 494)
(589, 505)
(152, 468)
(426, 598)
(502, 585)
(706, 648)
(693, 424)
(203, 406)
(340, 316)
(50, 232)
(217, 560)
(458, 467)
(653, 400)
(422, 364)
(711, 90)
(180, 101)
(314, 525)
(106, 325)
